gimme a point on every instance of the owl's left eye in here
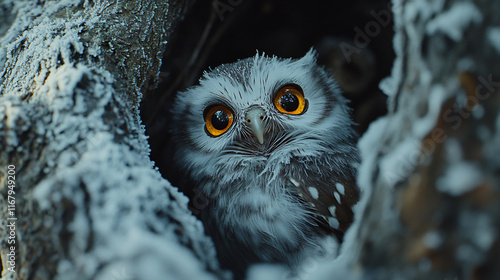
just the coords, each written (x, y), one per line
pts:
(218, 119)
(290, 100)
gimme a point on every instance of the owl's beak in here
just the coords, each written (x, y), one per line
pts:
(255, 121)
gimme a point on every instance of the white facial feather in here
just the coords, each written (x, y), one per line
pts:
(308, 130)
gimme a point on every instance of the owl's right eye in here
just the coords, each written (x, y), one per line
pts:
(290, 100)
(218, 119)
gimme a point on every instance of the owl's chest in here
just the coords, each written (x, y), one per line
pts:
(266, 206)
(263, 214)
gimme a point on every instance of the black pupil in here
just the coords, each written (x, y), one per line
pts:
(289, 102)
(220, 120)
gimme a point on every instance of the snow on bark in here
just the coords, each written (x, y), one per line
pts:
(494, 37)
(455, 20)
(431, 206)
(89, 203)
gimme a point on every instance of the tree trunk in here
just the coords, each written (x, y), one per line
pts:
(80, 197)
(431, 168)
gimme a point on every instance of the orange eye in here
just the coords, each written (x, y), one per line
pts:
(218, 119)
(290, 100)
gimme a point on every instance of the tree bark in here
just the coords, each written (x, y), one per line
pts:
(80, 197)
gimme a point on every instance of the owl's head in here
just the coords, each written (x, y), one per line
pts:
(256, 114)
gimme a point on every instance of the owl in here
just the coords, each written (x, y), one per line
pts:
(270, 142)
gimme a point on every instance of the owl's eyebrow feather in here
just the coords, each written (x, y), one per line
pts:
(237, 72)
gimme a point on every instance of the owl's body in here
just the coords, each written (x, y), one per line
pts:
(270, 142)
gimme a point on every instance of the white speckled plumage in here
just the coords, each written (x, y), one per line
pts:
(269, 202)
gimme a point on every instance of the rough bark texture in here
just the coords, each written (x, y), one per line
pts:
(442, 197)
(88, 202)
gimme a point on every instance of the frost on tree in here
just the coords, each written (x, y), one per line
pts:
(90, 205)
(88, 202)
